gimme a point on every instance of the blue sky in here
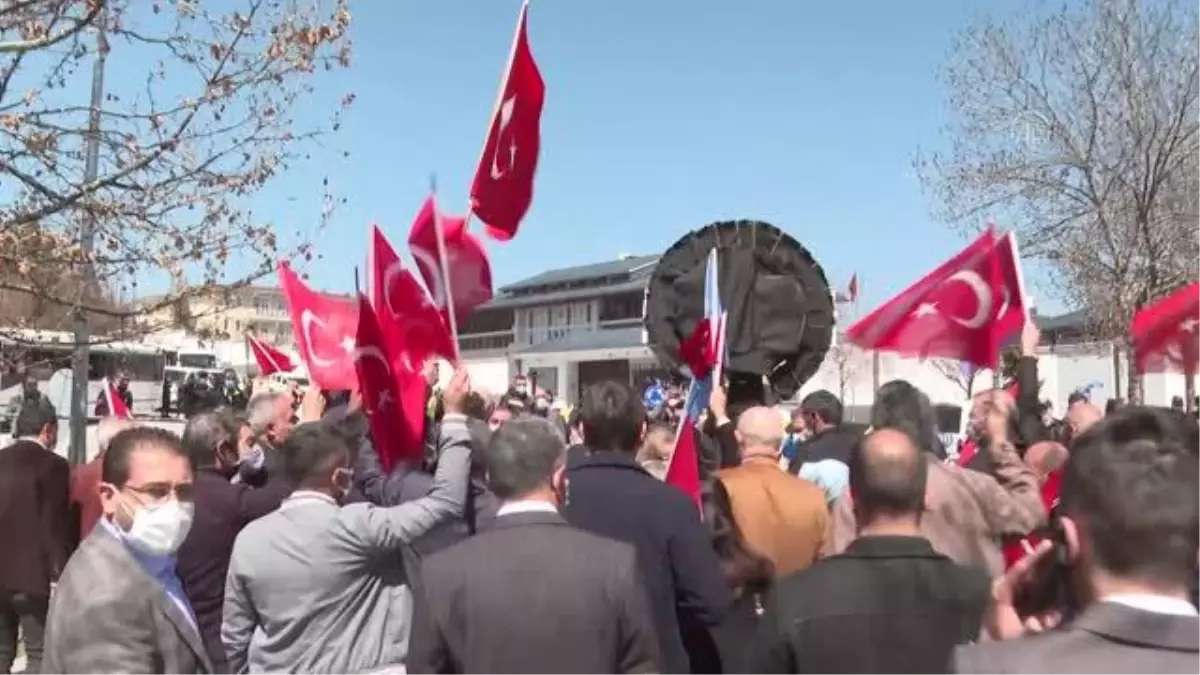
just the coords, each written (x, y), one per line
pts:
(661, 116)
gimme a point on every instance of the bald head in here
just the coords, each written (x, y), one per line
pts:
(1081, 416)
(1046, 457)
(759, 432)
(887, 475)
(108, 427)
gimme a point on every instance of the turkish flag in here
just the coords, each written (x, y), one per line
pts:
(470, 270)
(269, 358)
(116, 404)
(963, 310)
(1164, 334)
(397, 425)
(325, 329)
(503, 185)
(413, 326)
(683, 469)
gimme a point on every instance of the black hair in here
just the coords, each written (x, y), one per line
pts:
(824, 405)
(1113, 405)
(475, 406)
(1132, 484)
(114, 467)
(1076, 397)
(311, 451)
(901, 406)
(888, 478)
(522, 455)
(34, 415)
(612, 416)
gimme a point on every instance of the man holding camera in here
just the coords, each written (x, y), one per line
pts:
(1113, 579)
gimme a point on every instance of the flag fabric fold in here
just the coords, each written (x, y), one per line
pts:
(469, 270)
(704, 352)
(962, 310)
(1165, 333)
(270, 359)
(116, 404)
(397, 421)
(411, 323)
(325, 328)
(503, 187)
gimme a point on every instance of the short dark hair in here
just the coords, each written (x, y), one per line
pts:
(1132, 483)
(114, 467)
(33, 416)
(888, 476)
(612, 416)
(475, 406)
(1076, 397)
(207, 431)
(1113, 405)
(824, 405)
(901, 406)
(522, 455)
(311, 450)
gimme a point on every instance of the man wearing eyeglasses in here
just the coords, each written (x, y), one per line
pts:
(119, 605)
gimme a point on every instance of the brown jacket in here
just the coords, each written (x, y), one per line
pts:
(782, 517)
(967, 512)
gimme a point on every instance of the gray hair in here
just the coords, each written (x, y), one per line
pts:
(108, 427)
(522, 455)
(261, 411)
(207, 431)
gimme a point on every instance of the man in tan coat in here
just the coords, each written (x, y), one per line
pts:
(782, 517)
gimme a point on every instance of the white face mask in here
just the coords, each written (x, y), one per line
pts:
(159, 530)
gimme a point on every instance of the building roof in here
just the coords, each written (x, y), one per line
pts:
(621, 267)
(1076, 320)
(510, 301)
(613, 338)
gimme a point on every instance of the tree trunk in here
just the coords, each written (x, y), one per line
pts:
(1134, 377)
(1116, 359)
(1189, 392)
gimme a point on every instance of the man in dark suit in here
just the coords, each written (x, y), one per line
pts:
(889, 603)
(1128, 534)
(831, 439)
(611, 495)
(119, 606)
(214, 441)
(580, 599)
(35, 529)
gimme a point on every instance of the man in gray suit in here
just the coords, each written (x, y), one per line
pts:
(317, 587)
(119, 606)
(532, 594)
(1130, 522)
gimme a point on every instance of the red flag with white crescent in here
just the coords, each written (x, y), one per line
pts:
(962, 310)
(396, 416)
(325, 328)
(503, 185)
(411, 323)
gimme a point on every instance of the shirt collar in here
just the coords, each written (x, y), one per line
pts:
(32, 439)
(525, 506)
(1159, 604)
(156, 566)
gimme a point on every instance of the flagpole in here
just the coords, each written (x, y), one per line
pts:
(444, 263)
(512, 55)
(1016, 251)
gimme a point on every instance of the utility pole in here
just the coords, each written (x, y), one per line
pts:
(87, 234)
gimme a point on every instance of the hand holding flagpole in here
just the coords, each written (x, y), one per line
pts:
(448, 294)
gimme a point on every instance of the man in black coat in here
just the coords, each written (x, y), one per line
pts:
(35, 528)
(212, 440)
(889, 603)
(610, 494)
(579, 598)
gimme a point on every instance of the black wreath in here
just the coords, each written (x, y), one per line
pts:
(780, 311)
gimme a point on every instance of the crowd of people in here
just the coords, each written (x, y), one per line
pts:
(529, 538)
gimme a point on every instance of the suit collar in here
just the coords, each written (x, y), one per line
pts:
(609, 459)
(108, 544)
(526, 518)
(891, 546)
(1121, 623)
